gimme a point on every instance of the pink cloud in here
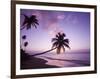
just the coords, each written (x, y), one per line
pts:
(61, 17)
(49, 22)
(71, 19)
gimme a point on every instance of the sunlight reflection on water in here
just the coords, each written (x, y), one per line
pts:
(67, 59)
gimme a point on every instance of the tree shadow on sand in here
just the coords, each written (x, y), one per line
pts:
(80, 62)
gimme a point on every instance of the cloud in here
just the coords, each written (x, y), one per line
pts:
(61, 17)
(72, 19)
(54, 28)
(38, 14)
(50, 22)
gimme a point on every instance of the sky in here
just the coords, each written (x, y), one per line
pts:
(76, 26)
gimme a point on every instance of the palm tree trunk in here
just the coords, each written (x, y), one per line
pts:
(44, 52)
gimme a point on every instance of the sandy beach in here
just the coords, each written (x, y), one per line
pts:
(35, 63)
(48, 60)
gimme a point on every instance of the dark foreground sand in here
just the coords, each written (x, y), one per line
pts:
(35, 63)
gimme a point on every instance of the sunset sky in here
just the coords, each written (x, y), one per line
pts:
(76, 26)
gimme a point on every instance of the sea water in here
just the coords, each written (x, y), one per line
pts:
(67, 59)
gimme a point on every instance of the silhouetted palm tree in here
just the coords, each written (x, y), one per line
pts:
(24, 37)
(24, 55)
(29, 22)
(25, 44)
(59, 42)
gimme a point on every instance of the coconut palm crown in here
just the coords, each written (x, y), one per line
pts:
(59, 42)
(29, 21)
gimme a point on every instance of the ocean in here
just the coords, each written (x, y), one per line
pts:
(67, 59)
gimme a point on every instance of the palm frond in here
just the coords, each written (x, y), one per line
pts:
(54, 39)
(25, 20)
(35, 22)
(66, 45)
(34, 25)
(57, 36)
(63, 34)
(30, 21)
(28, 26)
(66, 40)
(55, 44)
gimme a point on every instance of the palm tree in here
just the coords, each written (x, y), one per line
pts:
(25, 43)
(29, 22)
(59, 42)
(24, 37)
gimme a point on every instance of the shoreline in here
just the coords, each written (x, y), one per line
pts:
(35, 63)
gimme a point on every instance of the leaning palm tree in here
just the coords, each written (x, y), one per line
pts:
(29, 22)
(59, 42)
